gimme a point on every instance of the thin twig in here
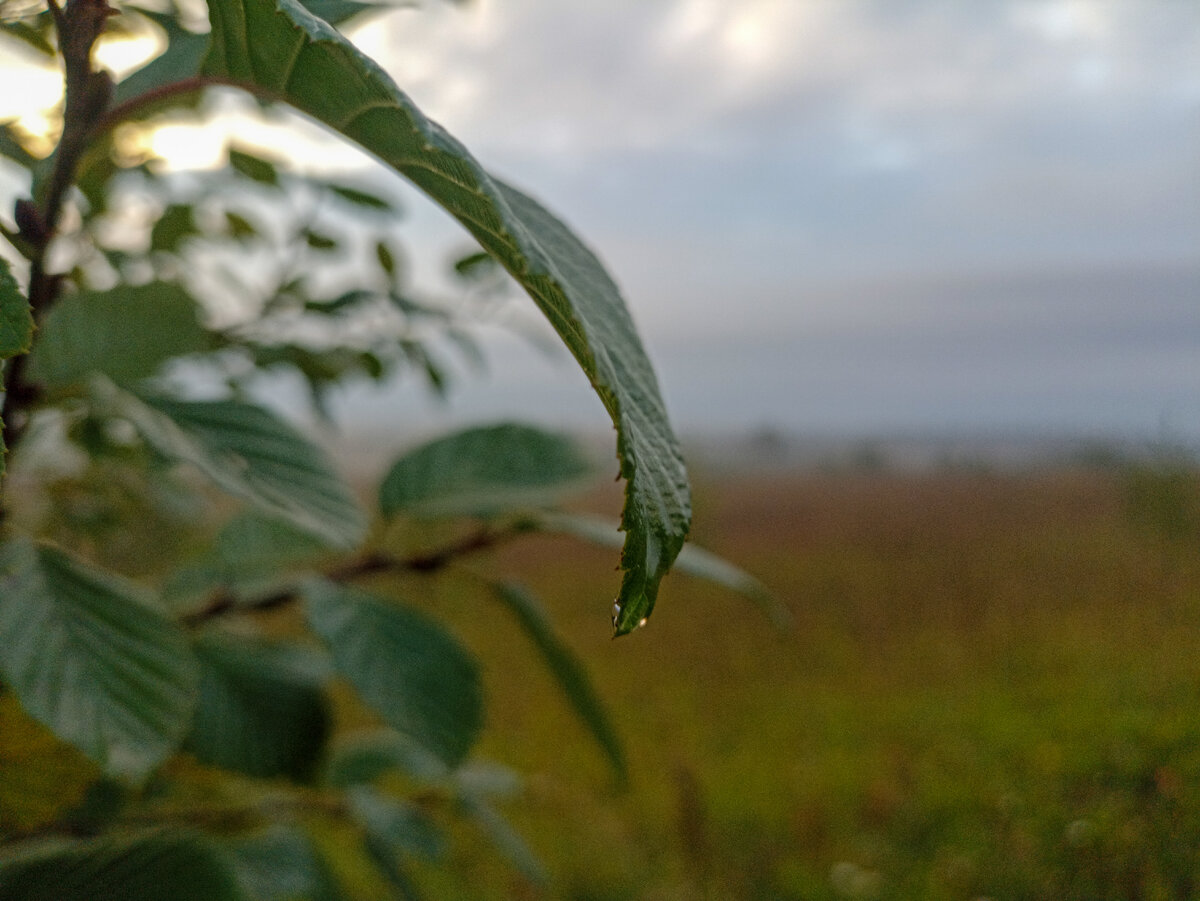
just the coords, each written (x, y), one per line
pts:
(226, 602)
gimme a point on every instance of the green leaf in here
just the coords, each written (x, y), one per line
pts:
(568, 670)
(363, 757)
(239, 226)
(126, 333)
(253, 167)
(156, 867)
(261, 709)
(318, 241)
(387, 260)
(343, 301)
(395, 828)
(12, 148)
(475, 266)
(362, 198)
(252, 454)
(252, 37)
(176, 223)
(693, 560)
(338, 12)
(92, 658)
(413, 672)
(504, 838)
(16, 317)
(251, 555)
(185, 51)
(180, 59)
(484, 471)
(28, 35)
(280, 864)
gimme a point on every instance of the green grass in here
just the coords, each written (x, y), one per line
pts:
(991, 691)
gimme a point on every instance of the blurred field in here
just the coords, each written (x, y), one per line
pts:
(991, 691)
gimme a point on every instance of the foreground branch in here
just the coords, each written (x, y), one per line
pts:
(88, 93)
(375, 562)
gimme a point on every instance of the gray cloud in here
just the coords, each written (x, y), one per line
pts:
(924, 209)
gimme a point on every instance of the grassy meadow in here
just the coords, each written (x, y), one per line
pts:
(992, 690)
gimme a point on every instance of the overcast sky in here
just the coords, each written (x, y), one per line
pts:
(831, 215)
(855, 216)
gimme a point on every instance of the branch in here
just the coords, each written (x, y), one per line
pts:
(88, 92)
(225, 601)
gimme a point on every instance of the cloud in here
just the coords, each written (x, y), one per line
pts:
(859, 210)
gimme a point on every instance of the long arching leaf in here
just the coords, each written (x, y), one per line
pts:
(279, 50)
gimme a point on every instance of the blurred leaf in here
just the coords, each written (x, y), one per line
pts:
(104, 801)
(12, 148)
(249, 556)
(395, 827)
(16, 317)
(280, 864)
(250, 37)
(28, 35)
(261, 708)
(363, 757)
(252, 546)
(92, 658)
(361, 198)
(156, 867)
(568, 671)
(340, 846)
(435, 375)
(483, 471)
(319, 367)
(392, 831)
(342, 302)
(239, 226)
(387, 262)
(253, 167)
(486, 779)
(413, 672)
(318, 241)
(339, 12)
(250, 453)
(126, 333)
(42, 776)
(176, 223)
(372, 365)
(411, 307)
(476, 266)
(693, 560)
(504, 838)
(93, 177)
(180, 59)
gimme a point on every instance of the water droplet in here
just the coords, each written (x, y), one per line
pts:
(641, 622)
(616, 613)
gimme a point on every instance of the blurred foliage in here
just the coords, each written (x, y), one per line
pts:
(222, 678)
